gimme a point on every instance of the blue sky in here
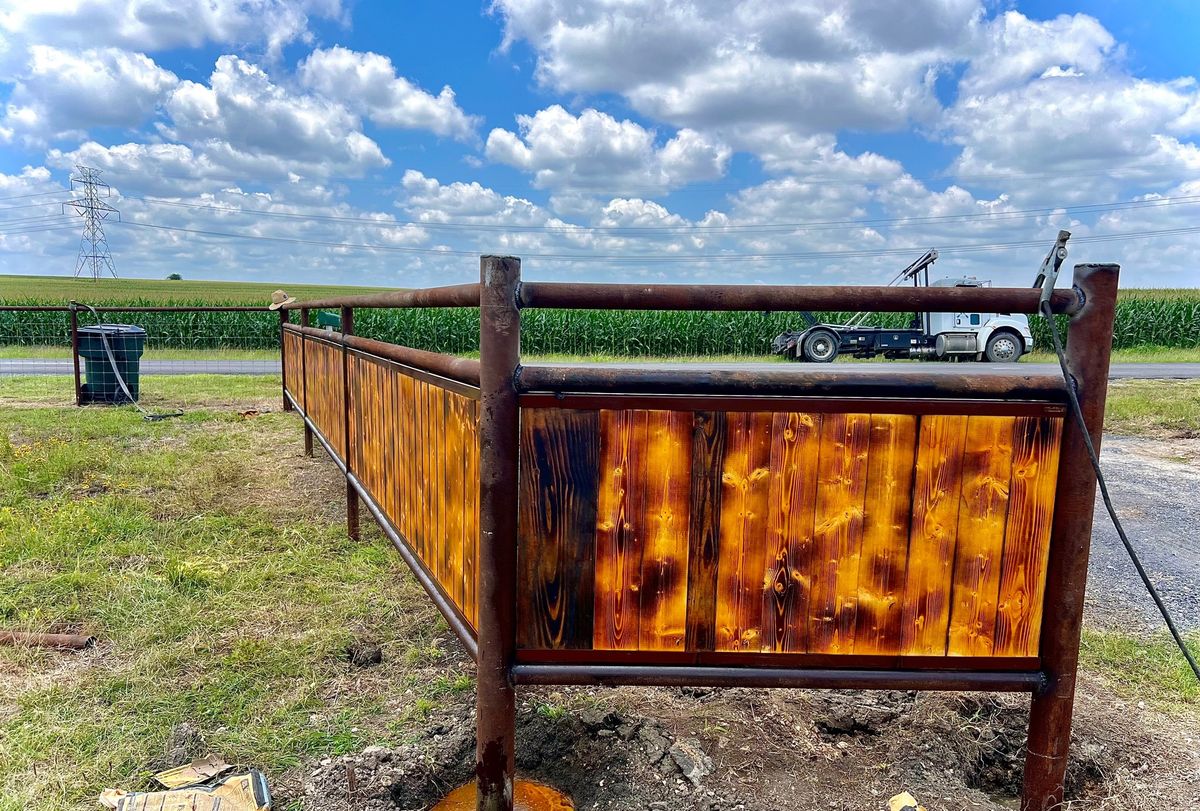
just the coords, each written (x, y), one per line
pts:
(391, 143)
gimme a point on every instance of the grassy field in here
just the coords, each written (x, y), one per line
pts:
(209, 556)
(224, 593)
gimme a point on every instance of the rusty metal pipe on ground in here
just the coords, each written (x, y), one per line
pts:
(64, 641)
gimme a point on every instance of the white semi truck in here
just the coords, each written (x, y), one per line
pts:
(995, 337)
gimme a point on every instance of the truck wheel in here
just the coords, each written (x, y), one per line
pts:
(1003, 347)
(821, 346)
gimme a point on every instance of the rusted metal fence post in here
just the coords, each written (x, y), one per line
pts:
(75, 352)
(308, 436)
(352, 524)
(284, 318)
(1089, 346)
(499, 357)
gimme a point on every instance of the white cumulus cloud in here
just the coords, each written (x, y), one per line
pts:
(368, 83)
(595, 150)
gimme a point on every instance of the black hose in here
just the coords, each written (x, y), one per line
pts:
(112, 360)
(1073, 396)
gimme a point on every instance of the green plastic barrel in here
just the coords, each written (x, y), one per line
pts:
(127, 343)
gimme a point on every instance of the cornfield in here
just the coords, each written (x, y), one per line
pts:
(1145, 318)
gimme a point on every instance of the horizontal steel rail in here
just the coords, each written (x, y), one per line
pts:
(455, 295)
(463, 370)
(847, 380)
(822, 679)
(780, 298)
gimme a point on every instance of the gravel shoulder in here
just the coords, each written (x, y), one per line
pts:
(1155, 486)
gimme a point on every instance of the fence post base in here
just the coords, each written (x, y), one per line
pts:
(308, 441)
(527, 796)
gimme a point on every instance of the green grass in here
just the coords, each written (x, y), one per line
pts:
(223, 592)
(1160, 407)
(1149, 669)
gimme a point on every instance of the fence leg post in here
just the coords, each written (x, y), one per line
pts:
(308, 435)
(284, 318)
(75, 352)
(352, 525)
(499, 356)
(1088, 350)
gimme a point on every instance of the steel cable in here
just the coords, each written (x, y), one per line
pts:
(1077, 411)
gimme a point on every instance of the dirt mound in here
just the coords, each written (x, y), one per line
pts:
(764, 750)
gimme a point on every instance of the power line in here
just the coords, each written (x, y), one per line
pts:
(35, 194)
(94, 254)
(671, 258)
(685, 230)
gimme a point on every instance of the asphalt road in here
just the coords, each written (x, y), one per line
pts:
(62, 366)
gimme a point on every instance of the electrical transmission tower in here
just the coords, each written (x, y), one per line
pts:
(94, 255)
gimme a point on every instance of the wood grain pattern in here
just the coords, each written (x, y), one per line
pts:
(618, 542)
(931, 547)
(887, 513)
(293, 361)
(323, 386)
(791, 505)
(708, 454)
(837, 534)
(664, 482)
(741, 567)
(471, 538)
(1036, 445)
(982, 515)
(558, 486)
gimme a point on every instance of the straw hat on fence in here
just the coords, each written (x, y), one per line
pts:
(278, 299)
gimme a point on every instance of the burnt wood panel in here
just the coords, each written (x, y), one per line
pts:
(837, 534)
(415, 450)
(665, 482)
(889, 536)
(936, 490)
(887, 513)
(982, 514)
(708, 453)
(1036, 445)
(556, 557)
(791, 510)
(741, 548)
(618, 548)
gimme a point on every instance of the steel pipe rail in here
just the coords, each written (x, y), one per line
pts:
(783, 298)
(455, 295)
(846, 381)
(464, 370)
(814, 678)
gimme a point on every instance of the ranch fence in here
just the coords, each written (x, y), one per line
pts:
(44, 340)
(848, 526)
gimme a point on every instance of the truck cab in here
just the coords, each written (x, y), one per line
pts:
(996, 337)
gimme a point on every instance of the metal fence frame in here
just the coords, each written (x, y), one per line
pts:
(502, 385)
(72, 310)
